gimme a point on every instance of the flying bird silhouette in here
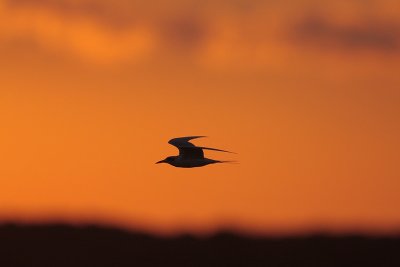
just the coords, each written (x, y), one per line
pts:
(190, 156)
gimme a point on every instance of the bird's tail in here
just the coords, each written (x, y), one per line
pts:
(228, 161)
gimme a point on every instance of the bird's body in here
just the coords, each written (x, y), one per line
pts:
(190, 156)
(176, 161)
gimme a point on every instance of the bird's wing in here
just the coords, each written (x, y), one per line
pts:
(183, 141)
(215, 149)
(188, 150)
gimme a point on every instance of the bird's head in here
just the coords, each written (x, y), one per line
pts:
(168, 160)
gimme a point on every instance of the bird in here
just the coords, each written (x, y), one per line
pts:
(190, 156)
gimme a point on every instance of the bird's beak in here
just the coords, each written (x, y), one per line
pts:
(161, 161)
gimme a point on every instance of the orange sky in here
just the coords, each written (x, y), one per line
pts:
(306, 94)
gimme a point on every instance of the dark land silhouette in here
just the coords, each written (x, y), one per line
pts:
(59, 245)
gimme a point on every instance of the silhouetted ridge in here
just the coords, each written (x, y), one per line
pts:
(58, 245)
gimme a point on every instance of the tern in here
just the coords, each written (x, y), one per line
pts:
(190, 156)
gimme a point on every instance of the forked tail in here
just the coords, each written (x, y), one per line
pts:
(228, 161)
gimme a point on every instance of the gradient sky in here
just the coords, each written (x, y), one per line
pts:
(307, 93)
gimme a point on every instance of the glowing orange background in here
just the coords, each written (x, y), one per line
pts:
(307, 93)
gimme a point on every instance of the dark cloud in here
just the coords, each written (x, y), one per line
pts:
(367, 34)
(185, 32)
(85, 7)
(116, 16)
(180, 28)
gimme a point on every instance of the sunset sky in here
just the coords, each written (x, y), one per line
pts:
(307, 92)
